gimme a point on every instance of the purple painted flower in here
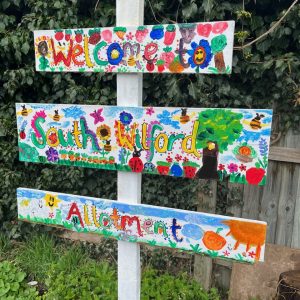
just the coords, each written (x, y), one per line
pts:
(52, 155)
(125, 118)
(232, 167)
(263, 147)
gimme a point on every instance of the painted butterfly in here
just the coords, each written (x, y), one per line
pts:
(97, 116)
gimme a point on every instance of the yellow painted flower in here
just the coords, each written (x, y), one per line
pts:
(25, 202)
(51, 200)
(104, 132)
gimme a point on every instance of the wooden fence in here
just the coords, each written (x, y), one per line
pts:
(277, 203)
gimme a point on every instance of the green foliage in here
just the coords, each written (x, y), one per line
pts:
(37, 255)
(89, 280)
(13, 285)
(214, 123)
(168, 287)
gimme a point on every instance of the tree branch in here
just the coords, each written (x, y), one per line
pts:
(268, 31)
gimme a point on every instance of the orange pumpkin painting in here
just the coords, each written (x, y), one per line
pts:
(249, 234)
(213, 241)
(244, 150)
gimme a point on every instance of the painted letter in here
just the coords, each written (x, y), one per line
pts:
(193, 139)
(130, 220)
(58, 57)
(74, 210)
(37, 142)
(174, 227)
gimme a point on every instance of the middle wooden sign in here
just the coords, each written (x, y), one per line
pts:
(203, 143)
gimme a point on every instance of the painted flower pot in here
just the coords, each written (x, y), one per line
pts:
(163, 167)
(176, 170)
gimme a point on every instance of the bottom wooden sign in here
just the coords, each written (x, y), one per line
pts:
(213, 235)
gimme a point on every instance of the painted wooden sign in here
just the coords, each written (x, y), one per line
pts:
(188, 142)
(214, 235)
(173, 48)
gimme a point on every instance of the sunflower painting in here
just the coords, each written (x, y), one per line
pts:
(104, 132)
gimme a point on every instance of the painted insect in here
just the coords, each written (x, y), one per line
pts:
(24, 112)
(255, 122)
(22, 131)
(56, 116)
(107, 146)
(184, 118)
(135, 163)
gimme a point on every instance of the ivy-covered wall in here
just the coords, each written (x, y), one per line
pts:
(265, 75)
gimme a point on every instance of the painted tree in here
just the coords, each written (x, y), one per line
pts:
(218, 43)
(218, 128)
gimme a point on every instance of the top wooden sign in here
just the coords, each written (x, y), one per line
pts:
(174, 48)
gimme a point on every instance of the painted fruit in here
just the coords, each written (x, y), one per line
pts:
(78, 38)
(163, 170)
(94, 38)
(189, 172)
(176, 67)
(169, 37)
(176, 170)
(67, 37)
(213, 241)
(107, 35)
(255, 175)
(136, 164)
(59, 35)
(168, 57)
(204, 29)
(157, 33)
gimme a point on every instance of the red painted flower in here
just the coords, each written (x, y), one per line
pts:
(242, 167)
(149, 111)
(226, 253)
(221, 167)
(129, 36)
(185, 159)
(169, 159)
(232, 168)
(51, 215)
(251, 254)
(178, 157)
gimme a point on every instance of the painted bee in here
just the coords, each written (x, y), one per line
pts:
(107, 146)
(24, 112)
(184, 118)
(255, 122)
(56, 117)
(131, 61)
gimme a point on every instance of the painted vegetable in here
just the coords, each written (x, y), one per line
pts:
(160, 65)
(244, 153)
(120, 32)
(135, 163)
(170, 34)
(255, 175)
(157, 32)
(213, 241)
(175, 66)
(95, 36)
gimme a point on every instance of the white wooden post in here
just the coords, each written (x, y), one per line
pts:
(129, 93)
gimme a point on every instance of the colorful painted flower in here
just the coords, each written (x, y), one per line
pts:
(52, 155)
(114, 54)
(51, 215)
(149, 111)
(185, 159)
(109, 68)
(232, 167)
(178, 157)
(251, 254)
(169, 159)
(226, 253)
(104, 132)
(200, 55)
(129, 36)
(125, 118)
(242, 167)
(221, 167)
